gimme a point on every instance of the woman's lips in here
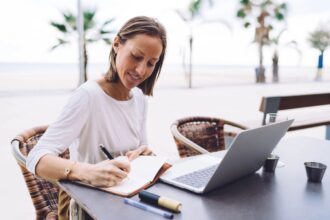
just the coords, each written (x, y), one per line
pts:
(134, 77)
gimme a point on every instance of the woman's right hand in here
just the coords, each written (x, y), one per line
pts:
(107, 173)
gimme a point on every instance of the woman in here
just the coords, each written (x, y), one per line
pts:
(110, 112)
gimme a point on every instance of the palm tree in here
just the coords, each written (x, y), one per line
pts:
(190, 16)
(320, 40)
(194, 9)
(92, 32)
(264, 12)
(275, 59)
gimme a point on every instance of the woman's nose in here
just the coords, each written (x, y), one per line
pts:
(141, 68)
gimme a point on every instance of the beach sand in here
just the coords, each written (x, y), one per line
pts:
(31, 99)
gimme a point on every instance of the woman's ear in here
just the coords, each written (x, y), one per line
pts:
(115, 44)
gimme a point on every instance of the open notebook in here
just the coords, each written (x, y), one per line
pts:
(145, 171)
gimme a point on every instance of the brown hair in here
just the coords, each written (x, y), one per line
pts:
(133, 27)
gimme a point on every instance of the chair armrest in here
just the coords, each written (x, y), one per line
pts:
(187, 142)
(20, 158)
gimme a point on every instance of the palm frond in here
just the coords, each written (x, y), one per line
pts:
(70, 19)
(59, 43)
(89, 21)
(279, 16)
(102, 32)
(294, 45)
(244, 2)
(283, 6)
(89, 14)
(182, 16)
(195, 7)
(107, 41)
(88, 25)
(107, 22)
(264, 4)
(276, 39)
(61, 27)
(241, 13)
(247, 24)
(93, 32)
(273, 41)
(92, 40)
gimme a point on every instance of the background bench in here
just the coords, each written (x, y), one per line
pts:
(275, 104)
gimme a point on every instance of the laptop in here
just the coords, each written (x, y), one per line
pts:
(246, 154)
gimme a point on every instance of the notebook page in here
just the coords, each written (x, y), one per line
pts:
(143, 171)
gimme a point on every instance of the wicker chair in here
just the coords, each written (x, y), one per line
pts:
(199, 135)
(44, 194)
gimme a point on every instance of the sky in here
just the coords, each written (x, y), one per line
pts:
(26, 35)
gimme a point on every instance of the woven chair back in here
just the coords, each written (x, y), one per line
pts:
(206, 132)
(44, 194)
(196, 135)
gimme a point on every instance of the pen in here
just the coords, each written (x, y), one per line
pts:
(106, 152)
(161, 201)
(148, 208)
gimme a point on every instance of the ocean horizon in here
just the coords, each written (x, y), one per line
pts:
(64, 76)
(39, 67)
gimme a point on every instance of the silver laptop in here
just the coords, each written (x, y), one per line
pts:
(245, 155)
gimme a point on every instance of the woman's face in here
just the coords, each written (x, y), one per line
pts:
(137, 58)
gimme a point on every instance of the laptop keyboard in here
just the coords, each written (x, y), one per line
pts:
(197, 178)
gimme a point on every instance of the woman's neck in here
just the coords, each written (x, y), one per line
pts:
(115, 89)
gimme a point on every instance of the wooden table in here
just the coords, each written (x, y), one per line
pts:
(286, 194)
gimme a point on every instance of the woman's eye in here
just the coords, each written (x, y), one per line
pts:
(151, 64)
(140, 58)
(136, 57)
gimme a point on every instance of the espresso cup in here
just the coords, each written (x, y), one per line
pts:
(315, 171)
(270, 163)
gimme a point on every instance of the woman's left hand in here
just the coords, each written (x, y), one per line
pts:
(142, 150)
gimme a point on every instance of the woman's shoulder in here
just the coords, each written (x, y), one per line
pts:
(85, 92)
(138, 94)
(90, 87)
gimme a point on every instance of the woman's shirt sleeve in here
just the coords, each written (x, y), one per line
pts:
(63, 131)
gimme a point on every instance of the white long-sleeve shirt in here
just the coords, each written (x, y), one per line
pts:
(90, 118)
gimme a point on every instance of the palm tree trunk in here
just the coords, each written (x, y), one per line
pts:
(275, 67)
(85, 63)
(81, 42)
(260, 71)
(190, 61)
